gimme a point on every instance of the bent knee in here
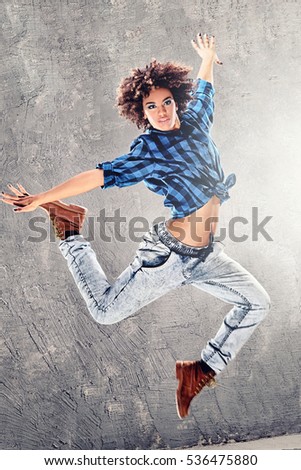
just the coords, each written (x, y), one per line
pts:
(266, 304)
(103, 316)
(263, 302)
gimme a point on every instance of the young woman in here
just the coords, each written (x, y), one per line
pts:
(177, 158)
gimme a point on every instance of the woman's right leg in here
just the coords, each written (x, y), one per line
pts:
(154, 271)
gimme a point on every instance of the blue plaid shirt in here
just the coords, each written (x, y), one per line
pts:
(183, 165)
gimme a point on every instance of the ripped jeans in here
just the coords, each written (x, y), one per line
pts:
(163, 263)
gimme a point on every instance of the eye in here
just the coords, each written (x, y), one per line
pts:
(151, 106)
(168, 102)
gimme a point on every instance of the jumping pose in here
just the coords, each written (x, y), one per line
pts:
(176, 157)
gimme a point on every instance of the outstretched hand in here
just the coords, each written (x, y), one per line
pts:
(22, 199)
(205, 47)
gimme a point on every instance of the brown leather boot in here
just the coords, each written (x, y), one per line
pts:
(65, 217)
(191, 381)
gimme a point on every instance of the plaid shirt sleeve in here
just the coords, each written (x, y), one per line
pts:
(128, 169)
(200, 109)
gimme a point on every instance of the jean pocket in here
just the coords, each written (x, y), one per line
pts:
(153, 255)
(218, 248)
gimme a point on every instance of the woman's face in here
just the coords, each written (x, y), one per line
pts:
(160, 109)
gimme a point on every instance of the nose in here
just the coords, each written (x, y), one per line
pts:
(162, 110)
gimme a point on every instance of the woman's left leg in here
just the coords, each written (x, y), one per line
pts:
(227, 280)
(154, 271)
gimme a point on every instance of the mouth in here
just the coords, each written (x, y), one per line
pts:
(162, 121)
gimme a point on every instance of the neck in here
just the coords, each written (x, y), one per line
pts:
(178, 123)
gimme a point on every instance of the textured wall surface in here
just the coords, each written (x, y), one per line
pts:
(67, 382)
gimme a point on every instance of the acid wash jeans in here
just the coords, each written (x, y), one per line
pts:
(163, 263)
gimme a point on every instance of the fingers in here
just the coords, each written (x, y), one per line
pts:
(7, 201)
(11, 197)
(28, 208)
(22, 209)
(14, 190)
(22, 189)
(204, 45)
(19, 192)
(12, 202)
(20, 198)
(20, 201)
(194, 44)
(204, 41)
(200, 41)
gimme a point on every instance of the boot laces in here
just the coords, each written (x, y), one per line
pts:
(57, 230)
(209, 381)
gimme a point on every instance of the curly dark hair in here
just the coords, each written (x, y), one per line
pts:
(133, 89)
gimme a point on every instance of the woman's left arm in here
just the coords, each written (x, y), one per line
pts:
(205, 48)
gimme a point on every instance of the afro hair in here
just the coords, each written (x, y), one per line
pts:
(133, 89)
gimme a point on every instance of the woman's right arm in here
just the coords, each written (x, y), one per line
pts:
(78, 184)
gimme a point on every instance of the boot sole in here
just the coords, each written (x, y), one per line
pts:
(179, 376)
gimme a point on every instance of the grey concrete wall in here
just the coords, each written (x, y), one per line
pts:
(68, 383)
